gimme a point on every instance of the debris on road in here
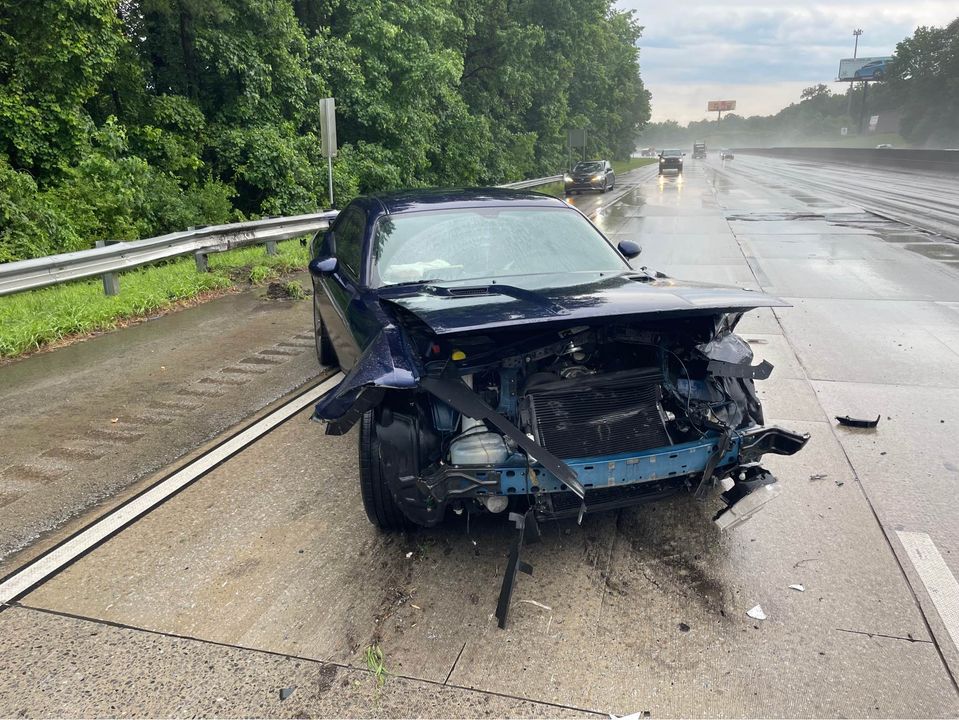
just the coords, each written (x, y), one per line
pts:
(798, 587)
(756, 613)
(818, 476)
(857, 422)
(285, 693)
(683, 627)
(409, 554)
(537, 604)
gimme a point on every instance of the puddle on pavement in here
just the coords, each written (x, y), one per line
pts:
(935, 251)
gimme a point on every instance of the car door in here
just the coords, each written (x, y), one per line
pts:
(341, 287)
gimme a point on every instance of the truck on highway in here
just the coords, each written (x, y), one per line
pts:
(699, 150)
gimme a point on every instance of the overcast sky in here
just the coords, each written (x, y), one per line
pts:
(762, 54)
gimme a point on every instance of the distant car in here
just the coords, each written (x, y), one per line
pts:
(590, 175)
(874, 70)
(725, 154)
(671, 160)
(884, 146)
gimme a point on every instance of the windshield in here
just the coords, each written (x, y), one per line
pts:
(672, 153)
(588, 167)
(473, 243)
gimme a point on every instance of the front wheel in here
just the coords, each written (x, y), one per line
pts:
(378, 501)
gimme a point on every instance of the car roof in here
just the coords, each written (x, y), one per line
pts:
(404, 201)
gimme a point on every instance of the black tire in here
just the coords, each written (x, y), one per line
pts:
(605, 187)
(325, 354)
(378, 501)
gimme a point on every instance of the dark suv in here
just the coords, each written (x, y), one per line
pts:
(590, 175)
(671, 160)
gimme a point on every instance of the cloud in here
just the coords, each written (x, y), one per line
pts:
(765, 51)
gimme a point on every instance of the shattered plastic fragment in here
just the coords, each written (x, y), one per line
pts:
(286, 692)
(537, 604)
(798, 587)
(857, 422)
(756, 613)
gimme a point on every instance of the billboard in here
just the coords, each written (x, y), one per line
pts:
(720, 105)
(864, 68)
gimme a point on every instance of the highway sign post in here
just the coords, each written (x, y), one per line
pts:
(577, 139)
(328, 136)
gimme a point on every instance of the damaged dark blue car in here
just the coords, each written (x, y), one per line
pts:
(499, 353)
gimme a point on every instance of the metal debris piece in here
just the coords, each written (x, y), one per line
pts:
(527, 530)
(285, 693)
(857, 422)
(756, 613)
(798, 587)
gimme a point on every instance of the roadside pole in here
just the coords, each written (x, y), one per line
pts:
(328, 137)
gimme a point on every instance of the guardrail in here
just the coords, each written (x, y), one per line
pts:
(946, 161)
(109, 259)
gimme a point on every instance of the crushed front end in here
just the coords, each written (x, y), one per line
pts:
(566, 420)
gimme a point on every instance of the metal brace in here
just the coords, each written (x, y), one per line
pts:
(526, 525)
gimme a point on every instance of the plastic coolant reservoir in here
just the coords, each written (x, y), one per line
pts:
(479, 448)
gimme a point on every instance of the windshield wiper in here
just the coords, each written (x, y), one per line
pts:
(408, 283)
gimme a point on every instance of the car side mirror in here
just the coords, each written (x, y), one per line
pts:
(629, 249)
(323, 266)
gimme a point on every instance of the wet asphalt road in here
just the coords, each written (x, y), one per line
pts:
(265, 574)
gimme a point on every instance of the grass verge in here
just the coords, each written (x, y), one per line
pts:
(31, 320)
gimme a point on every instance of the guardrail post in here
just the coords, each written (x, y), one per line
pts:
(202, 261)
(111, 281)
(271, 247)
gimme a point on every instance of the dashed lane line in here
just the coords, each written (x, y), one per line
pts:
(938, 580)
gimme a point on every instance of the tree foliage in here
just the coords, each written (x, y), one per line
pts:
(925, 76)
(126, 118)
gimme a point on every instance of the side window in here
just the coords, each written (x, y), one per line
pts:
(348, 238)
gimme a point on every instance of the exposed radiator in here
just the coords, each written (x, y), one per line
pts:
(599, 414)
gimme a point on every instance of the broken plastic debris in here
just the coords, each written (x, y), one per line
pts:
(115, 420)
(286, 692)
(537, 604)
(409, 554)
(756, 613)
(798, 587)
(857, 422)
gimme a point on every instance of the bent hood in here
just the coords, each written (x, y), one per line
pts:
(470, 306)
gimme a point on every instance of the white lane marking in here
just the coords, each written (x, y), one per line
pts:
(935, 575)
(46, 565)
